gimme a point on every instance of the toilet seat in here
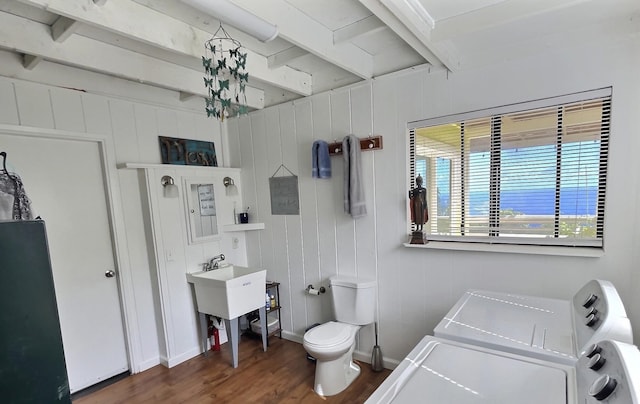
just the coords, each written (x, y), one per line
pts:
(329, 335)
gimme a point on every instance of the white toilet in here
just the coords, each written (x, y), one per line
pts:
(332, 343)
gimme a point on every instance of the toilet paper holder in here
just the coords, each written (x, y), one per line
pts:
(313, 291)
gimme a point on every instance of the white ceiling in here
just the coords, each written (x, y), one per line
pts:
(322, 44)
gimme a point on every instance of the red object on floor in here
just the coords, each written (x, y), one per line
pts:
(216, 340)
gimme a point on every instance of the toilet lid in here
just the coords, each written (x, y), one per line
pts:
(328, 334)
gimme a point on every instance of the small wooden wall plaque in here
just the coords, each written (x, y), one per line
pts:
(366, 144)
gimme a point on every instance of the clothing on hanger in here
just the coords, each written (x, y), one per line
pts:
(14, 202)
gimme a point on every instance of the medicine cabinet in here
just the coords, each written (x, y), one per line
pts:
(202, 216)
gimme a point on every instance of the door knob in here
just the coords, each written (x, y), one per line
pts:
(109, 274)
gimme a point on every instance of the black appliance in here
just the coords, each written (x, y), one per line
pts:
(32, 363)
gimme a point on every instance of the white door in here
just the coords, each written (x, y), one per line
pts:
(64, 180)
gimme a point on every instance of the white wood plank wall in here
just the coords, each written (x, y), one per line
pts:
(131, 119)
(416, 287)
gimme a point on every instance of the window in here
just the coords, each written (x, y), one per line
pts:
(530, 173)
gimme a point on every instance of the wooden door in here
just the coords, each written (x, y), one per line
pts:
(64, 180)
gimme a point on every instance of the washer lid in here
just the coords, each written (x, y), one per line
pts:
(528, 325)
(328, 334)
(440, 371)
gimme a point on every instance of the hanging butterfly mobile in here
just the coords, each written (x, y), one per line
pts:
(225, 76)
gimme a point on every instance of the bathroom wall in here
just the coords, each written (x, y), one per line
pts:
(173, 254)
(417, 286)
(130, 119)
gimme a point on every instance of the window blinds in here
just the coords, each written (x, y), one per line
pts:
(528, 173)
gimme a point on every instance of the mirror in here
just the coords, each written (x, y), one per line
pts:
(202, 217)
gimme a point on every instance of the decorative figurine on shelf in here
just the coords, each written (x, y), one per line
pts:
(419, 211)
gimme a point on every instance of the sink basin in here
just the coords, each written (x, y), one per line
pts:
(229, 292)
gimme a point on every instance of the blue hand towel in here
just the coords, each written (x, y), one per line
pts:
(320, 160)
(354, 200)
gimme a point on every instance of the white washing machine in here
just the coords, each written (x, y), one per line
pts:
(549, 329)
(443, 371)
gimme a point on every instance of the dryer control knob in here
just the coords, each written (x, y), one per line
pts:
(596, 362)
(590, 301)
(591, 320)
(592, 350)
(591, 311)
(602, 387)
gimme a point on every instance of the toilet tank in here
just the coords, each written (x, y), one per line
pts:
(353, 299)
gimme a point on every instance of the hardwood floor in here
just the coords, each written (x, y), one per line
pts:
(280, 375)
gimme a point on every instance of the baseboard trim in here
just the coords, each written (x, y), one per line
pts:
(291, 337)
(148, 364)
(358, 355)
(366, 358)
(176, 360)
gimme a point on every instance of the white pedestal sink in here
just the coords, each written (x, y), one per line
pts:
(230, 292)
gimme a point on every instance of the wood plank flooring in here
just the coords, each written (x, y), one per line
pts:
(280, 375)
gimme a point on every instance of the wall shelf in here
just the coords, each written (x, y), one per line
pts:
(181, 168)
(273, 306)
(243, 227)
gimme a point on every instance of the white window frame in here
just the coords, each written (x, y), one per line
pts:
(528, 244)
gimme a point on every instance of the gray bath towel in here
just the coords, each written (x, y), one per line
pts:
(354, 200)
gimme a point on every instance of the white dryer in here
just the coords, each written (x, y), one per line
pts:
(443, 371)
(549, 329)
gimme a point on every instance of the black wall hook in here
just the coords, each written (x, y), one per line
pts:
(4, 162)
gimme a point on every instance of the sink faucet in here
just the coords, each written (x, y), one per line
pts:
(213, 263)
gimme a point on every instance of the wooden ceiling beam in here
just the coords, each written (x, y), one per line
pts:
(402, 31)
(285, 56)
(132, 20)
(35, 39)
(31, 61)
(301, 30)
(366, 26)
(63, 28)
(183, 96)
(421, 30)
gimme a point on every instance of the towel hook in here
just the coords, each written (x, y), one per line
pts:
(4, 162)
(337, 148)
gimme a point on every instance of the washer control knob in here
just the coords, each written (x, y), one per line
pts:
(596, 362)
(592, 310)
(590, 301)
(602, 387)
(591, 320)
(592, 350)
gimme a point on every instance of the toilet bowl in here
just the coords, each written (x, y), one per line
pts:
(332, 345)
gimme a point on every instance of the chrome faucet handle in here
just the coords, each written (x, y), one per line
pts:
(213, 263)
(219, 257)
